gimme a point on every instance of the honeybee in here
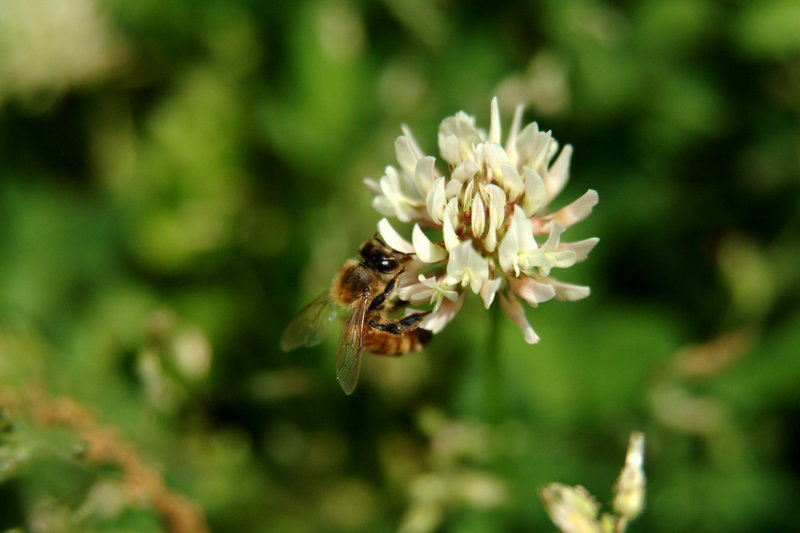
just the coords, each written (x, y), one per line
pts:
(363, 286)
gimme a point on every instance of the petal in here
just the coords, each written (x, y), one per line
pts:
(414, 145)
(462, 126)
(535, 192)
(577, 210)
(489, 289)
(513, 310)
(532, 146)
(497, 204)
(494, 122)
(466, 201)
(465, 170)
(495, 156)
(511, 142)
(467, 267)
(553, 239)
(393, 239)
(407, 154)
(437, 320)
(478, 214)
(567, 291)
(451, 240)
(558, 173)
(453, 189)
(581, 248)
(416, 293)
(451, 212)
(513, 182)
(509, 248)
(427, 251)
(479, 269)
(490, 239)
(423, 175)
(373, 186)
(448, 148)
(561, 259)
(382, 205)
(436, 200)
(532, 291)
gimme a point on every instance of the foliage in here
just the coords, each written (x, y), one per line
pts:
(177, 179)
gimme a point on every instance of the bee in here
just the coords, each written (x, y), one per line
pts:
(363, 286)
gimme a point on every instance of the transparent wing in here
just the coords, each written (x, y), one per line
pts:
(309, 327)
(348, 358)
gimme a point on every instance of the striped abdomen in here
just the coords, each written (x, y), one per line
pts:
(384, 343)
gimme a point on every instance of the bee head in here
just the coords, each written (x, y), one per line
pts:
(377, 255)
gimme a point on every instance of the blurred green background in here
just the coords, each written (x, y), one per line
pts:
(177, 179)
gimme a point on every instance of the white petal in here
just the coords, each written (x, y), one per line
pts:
(581, 248)
(558, 173)
(407, 154)
(465, 170)
(513, 310)
(414, 145)
(448, 148)
(467, 267)
(453, 189)
(513, 182)
(424, 174)
(519, 250)
(437, 320)
(535, 192)
(382, 205)
(393, 239)
(577, 210)
(451, 212)
(462, 126)
(531, 290)
(495, 156)
(528, 143)
(559, 259)
(440, 286)
(509, 248)
(497, 204)
(466, 200)
(567, 291)
(416, 293)
(554, 238)
(427, 251)
(373, 186)
(436, 200)
(511, 142)
(401, 193)
(490, 239)
(494, 122)
(478, 216)
(479, 269)
(451, 240)
(489, 289)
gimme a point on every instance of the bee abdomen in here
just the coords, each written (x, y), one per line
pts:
(383, 343)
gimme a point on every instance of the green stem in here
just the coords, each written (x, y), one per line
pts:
(494, 373)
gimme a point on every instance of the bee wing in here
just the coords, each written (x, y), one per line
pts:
(310, 325)
(348, 358)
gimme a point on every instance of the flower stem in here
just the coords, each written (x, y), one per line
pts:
(494, 372)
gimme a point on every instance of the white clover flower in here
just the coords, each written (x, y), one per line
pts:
(491, 208)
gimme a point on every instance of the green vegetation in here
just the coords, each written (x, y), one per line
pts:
(177, 179)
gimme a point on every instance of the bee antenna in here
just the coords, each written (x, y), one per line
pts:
(377, 237)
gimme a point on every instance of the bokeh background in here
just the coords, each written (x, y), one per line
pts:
(177, 179)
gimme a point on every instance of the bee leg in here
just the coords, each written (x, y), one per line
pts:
(400, 326)
(377, 302)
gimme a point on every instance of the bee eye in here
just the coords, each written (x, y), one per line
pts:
(386, 265)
